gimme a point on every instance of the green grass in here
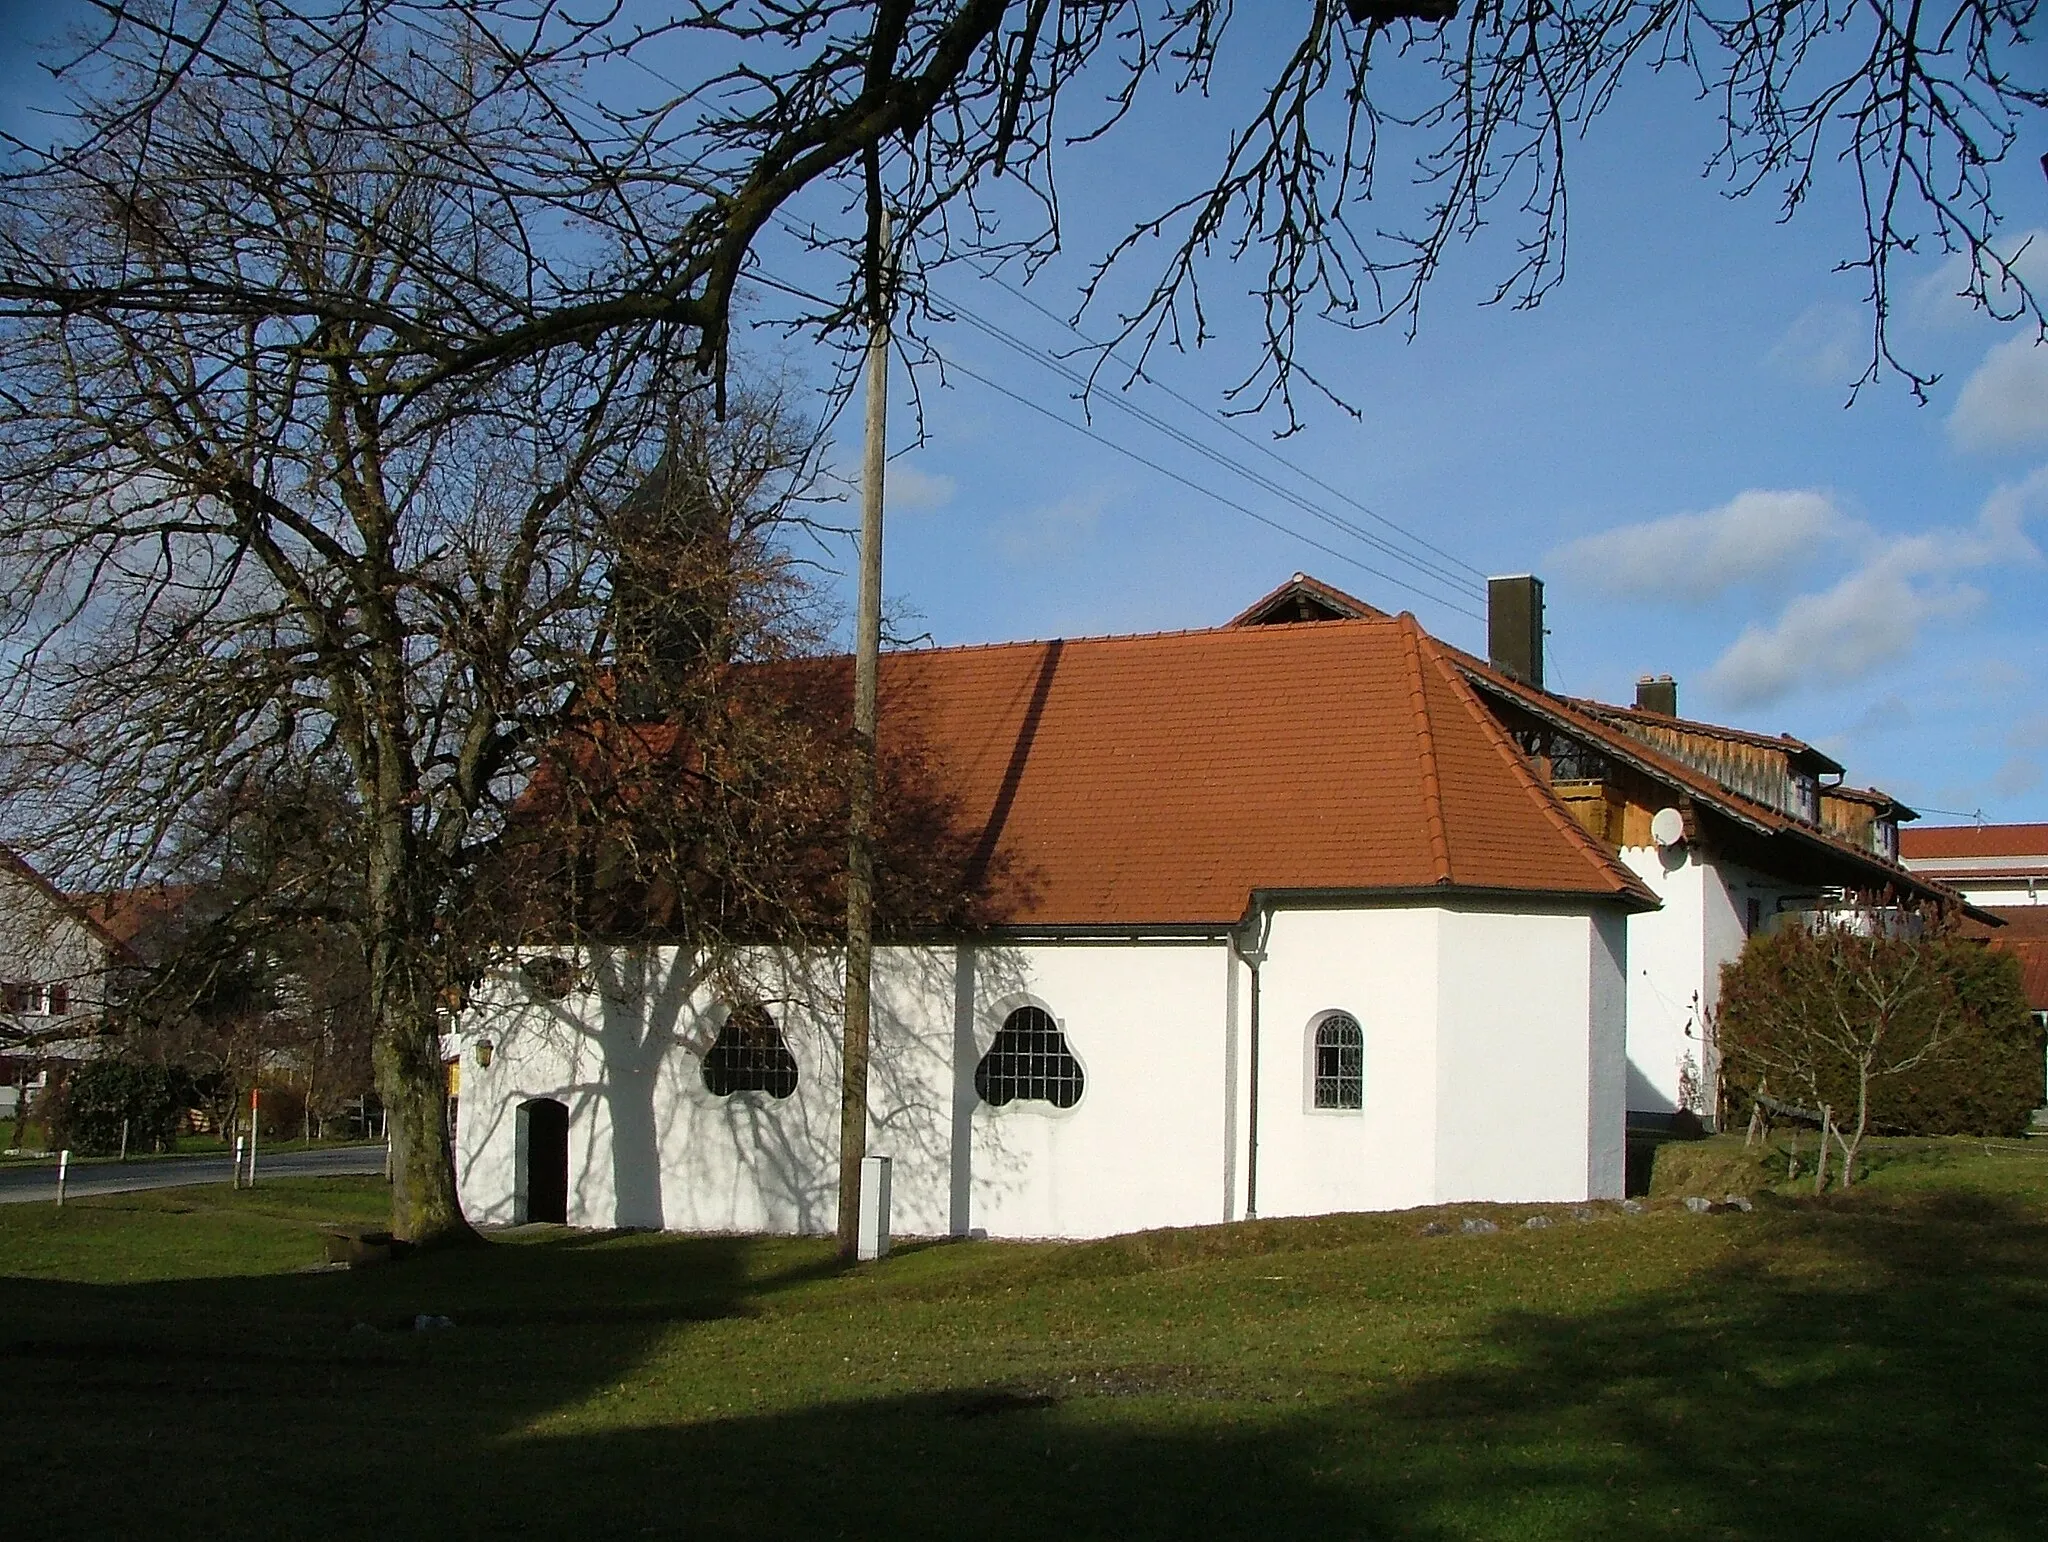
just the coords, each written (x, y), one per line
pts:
(1871, 1367)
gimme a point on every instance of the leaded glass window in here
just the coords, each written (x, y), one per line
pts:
(1340, 1062)
(749, 1055)
(1029, 1060)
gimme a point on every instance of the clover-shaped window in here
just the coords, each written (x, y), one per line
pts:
(1029, 1060)
(749, 1055)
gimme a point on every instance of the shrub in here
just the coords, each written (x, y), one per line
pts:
(99, 1095)
(1983, 1076)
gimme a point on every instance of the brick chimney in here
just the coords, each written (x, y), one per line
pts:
(1658, 694)
(1514, 627)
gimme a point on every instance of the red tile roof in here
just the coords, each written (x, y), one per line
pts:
(1160, 780)
(1974, 841)
(2033, 956)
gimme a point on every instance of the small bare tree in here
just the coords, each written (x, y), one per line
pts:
(1834, 1010)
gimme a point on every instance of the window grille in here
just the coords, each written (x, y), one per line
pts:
(1029, 1060)
(1340, 1062)
(749, 1055)
(549, 977)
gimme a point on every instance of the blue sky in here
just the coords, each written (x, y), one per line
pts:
(1665, 440)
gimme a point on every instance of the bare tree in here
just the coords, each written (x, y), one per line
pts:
(258, 533)
(335, 332)
(1385, 133)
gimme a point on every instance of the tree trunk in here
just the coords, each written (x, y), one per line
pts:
(1851, 1147)
(1820, 1171)
(414, 1087)
(406, 1051)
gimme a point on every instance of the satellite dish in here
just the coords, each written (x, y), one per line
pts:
(1667, 828)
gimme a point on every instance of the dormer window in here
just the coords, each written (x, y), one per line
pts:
(1806, 797)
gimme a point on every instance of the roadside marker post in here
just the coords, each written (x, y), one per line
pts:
(63, 1170)
(124, 1140)
(238, 1161)
(252, 1137)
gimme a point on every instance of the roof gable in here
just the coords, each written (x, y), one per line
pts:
(1303, 598)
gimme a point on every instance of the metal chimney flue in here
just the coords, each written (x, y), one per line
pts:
(1658, 694)
(1514, 627)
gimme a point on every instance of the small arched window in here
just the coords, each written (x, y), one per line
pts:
(1029, 1060)
(1339, 1062)
(749, 1055)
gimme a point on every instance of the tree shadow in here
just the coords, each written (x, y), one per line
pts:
(1868, 1368)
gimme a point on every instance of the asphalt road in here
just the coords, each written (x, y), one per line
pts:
(23, 1183)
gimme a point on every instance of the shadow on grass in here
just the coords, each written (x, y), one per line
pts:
(1856, 1369)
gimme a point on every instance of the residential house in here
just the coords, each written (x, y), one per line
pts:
(55, 963)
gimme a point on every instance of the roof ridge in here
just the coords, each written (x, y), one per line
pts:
(1425, 741)
(1224, 630)
(1593, 707)
(1544, 797)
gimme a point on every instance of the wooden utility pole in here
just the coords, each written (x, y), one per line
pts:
(860, 874)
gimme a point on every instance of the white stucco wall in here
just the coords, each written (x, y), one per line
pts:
(1674, 965)
(1492, 1070)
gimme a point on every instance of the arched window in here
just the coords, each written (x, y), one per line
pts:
(1029, 1059)
(749, 1055)
(1339, 1062)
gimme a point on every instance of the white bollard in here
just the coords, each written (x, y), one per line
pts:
(63, 1168)
(873, 1241)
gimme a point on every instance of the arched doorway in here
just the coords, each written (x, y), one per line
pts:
(543, 1191)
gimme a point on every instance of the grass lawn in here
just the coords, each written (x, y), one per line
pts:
(1870, 1367)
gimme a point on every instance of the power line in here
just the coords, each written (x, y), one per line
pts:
(989, 275)
(761, 276)
(1189, 442)
(1434, 571)
(1207, 492)
(1231, 428)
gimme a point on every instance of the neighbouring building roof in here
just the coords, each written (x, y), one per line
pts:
(1640, 723)
(80, 912)
(1801, 845)
(1994, 844)
(1161, 780)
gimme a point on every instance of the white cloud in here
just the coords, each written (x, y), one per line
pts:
(1053, 530)
(2004, 405)
(1826, 345)
(1759, 536)
(1874, 616)
(1939, 299)
(909, 490)
(2018, 775)
(1869, 619)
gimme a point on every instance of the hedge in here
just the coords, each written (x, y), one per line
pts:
(1986, 1078)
